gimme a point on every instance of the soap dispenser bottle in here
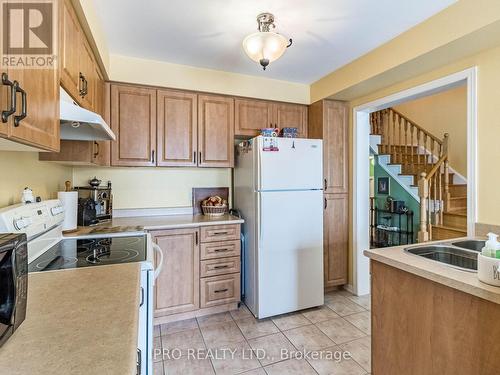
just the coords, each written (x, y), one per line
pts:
(492, 246)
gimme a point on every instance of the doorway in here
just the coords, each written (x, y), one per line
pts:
(361, 163)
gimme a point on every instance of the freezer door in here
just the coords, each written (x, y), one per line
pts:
(290, 252)
(297, 165)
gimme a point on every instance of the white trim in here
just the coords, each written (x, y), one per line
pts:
(162, 211)
(361, 176)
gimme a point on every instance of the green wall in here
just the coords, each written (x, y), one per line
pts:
(397, 192)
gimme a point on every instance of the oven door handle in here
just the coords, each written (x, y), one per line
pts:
(159, 266)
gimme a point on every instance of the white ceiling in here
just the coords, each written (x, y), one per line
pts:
(208, 33)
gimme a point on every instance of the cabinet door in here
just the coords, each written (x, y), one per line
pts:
(87, 71)
(133, 120)
(177, 288)
(215, 131)
(250, 116)
(69, 51)
(177, 128)
(291, 116)
(4, 105)
(102, 152)
(335, 147)
(335, 237)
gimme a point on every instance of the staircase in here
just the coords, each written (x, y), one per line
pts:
(421, 159)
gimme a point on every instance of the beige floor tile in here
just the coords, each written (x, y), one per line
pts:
(290, 367)
(236, 358)
(308, 338)
(364, 301)
(329, 364)
(241, 313)
(289, 321)
(344, 306)
(156, 331)
(205, 321)
(272, 346)
(340, 330)
(361, 321)
(182, 325)
(319, 314)
(158, 368)
(188, 365)
(220, 334)
(360, 351)
(253, 328)
(257, 371)
(190, 339)
(157, 350)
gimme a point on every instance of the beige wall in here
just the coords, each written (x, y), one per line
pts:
(444, 112)
(158, 73)
(22, 169)
(154, 187)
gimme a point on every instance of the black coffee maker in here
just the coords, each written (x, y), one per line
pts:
(87, 214)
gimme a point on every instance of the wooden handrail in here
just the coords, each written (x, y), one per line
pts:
(434, 169)
(429, 134)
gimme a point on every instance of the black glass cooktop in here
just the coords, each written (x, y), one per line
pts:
(73, 253)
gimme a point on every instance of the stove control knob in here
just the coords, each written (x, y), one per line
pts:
(22, 223)
(57, 210)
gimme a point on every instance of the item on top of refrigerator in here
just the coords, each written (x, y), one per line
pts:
(214, 206)
(289, 132)
(270, 132)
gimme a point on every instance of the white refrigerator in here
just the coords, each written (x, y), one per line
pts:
(279, 195)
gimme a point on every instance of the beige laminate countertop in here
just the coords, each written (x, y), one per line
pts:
(435, 271)
(80, 321)
(141, 223)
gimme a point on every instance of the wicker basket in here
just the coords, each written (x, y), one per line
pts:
(213, 210)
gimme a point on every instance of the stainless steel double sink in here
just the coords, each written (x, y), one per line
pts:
(459, 254)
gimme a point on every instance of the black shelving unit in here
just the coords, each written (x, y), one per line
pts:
(401, 232)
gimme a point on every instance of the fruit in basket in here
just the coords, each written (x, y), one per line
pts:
(214, 201)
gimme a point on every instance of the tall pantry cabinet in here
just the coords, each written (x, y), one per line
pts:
(328, 120)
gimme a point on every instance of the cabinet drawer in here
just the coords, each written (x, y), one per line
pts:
(220, 233)
(220, 249)
(220, 266)
(218, 290)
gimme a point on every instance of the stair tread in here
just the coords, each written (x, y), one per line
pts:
(459, 197)
(449, 228)
(456, 213)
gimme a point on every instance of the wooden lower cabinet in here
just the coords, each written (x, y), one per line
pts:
(335, 239)
(423, 327)
(196, 279)
(177, 286)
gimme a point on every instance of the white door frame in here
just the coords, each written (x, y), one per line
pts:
(361, 131)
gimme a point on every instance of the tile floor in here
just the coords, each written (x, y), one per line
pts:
(335, 335)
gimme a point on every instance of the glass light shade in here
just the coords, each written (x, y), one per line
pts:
(265, 45)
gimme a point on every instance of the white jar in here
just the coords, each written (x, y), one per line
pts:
(488, 270)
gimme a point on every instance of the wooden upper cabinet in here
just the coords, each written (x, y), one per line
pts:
(88, 74)
(69, 49)
(335, 147)
(215, 131)
(133, 120)
(177, 128)
(335, 239)
(250, 116)
(4, 105)
(291, 116)
(177, 288)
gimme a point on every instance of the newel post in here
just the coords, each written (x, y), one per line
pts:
(423, 193)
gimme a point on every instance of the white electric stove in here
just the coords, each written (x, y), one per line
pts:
(48, 250)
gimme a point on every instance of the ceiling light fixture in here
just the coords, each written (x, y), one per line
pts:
(265, 46)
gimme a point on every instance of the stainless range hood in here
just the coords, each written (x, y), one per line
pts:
(80, 124)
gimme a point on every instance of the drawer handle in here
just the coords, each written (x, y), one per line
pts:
(220, 267)
(220, 233)
(221, 290)
(221, 250)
